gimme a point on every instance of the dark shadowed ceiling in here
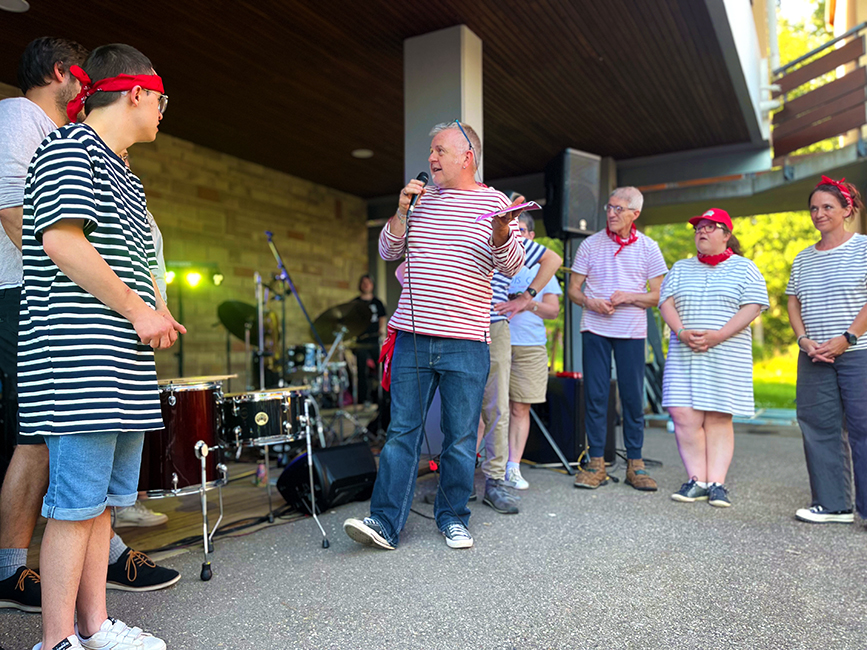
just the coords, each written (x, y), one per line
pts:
(298, 85)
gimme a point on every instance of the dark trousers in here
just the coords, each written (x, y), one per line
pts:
(826, 394)
(9, 305)
(629, 357)
(367, 352)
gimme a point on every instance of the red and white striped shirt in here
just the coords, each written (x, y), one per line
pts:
(451, 259)
(606, 273)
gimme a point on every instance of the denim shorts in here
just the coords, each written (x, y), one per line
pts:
(89, 472)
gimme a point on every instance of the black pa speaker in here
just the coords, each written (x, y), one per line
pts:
(563, 415)
(572, 182)
(340, 475)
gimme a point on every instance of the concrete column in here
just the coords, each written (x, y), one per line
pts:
(442, 81)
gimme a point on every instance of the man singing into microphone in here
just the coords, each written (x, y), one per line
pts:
(441, 325)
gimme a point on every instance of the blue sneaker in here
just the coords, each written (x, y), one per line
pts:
(718, 496)
(367, 532)
(690, 492)
(457, 535)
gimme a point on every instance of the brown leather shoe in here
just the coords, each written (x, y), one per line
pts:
(593, 475)
(637, 476)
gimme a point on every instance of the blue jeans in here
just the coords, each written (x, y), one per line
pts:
(629, 357)
(459, 368)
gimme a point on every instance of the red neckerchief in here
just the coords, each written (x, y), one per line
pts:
(839, 185)
(112, 84)
(713, 260)
(617, 239)
(385, 356)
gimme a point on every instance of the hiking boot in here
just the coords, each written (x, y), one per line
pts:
(593, 475)
(367, 532)
(497, 496)
(430, 497)
(818, 515)
(637, 476)
(117, 635)
(515, 480)
(690, 492)
(718, 496)
(135, 571)
(22, 591)
(457, 535)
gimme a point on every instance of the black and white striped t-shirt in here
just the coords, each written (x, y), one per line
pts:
(832, 288)
(500, 282)
(81, 367)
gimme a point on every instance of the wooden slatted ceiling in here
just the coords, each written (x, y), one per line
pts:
(297, 85)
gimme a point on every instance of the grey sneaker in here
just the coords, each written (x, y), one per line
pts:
(690, 492)
(457, 535)
(718, 496)
(498, 496)
(367, 532)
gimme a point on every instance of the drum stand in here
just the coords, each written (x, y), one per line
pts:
(341, 413)
(202, 451)
(307, 426)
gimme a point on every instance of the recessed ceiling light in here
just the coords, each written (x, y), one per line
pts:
(15, 6)
(356, 153)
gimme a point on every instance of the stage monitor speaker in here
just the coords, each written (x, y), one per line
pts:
(563, 415)
(572, 195)
(340, 475)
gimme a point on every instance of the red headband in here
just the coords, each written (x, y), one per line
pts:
(112, 84)
(840, 186)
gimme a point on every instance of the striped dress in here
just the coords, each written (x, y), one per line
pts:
(832, 288)
(451, 261)
(706, 297)
(81, 367)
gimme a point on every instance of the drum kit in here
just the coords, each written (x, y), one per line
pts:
(200, 419)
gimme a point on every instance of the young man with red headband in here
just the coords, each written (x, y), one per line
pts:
(91, 317)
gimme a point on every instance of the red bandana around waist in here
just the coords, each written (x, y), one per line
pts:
(385, 356)
(113, 84)
(617, 239)
(713, 260)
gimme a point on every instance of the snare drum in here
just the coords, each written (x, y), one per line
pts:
(191, 414)
(262, 417)
(304, 358)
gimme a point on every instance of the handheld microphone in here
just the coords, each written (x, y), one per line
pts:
(423, 177)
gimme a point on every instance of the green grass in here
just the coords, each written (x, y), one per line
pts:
(774, 380)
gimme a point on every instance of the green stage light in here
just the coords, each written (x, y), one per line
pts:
(218, 279)
(170, 277)
(193, 278)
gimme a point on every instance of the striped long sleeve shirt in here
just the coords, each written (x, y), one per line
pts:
(450, 261)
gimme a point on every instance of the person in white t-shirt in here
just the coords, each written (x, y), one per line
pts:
(623, 269)
(528, 379)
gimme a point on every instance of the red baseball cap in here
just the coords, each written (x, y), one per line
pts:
(714, 214)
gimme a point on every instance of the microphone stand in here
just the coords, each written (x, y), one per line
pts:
(287, 280)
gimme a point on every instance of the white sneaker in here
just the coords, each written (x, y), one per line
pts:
(69, 643)
(117, 635)
(818, 515)
(138, 515)
(515, 480)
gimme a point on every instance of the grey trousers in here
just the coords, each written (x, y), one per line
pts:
(826, 393)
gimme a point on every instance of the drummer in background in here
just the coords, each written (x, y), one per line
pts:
(367, 351)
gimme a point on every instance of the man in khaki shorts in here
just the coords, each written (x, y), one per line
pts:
(528, 381)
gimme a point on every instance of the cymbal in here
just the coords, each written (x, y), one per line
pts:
(206, 379)
(236, 315)
(354, 316)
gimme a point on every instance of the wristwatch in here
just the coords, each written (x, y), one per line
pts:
(850, 338)
(532, 292)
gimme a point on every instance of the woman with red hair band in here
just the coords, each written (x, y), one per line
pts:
(828, 311)
(709, 301)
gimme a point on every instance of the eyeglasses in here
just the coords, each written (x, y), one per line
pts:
(164, 100)
(458, 122)
(617, 209)
(523, 230)
(708, 227)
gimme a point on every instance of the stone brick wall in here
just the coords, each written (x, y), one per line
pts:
(214, 208)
